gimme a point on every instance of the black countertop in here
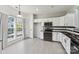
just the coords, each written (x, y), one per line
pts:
(60, 30)
(60, 26)
(63, 27)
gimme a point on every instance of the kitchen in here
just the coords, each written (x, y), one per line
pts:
(49, 23)
(64, 29)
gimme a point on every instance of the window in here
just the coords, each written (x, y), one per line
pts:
(10, 25)
(19, 27)
(11, 28)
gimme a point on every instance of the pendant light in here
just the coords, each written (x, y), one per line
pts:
(19, 12)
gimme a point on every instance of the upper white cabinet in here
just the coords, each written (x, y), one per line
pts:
(72, 19)
(76, 18)
(61, 21)
(56, 21)
(69, 20)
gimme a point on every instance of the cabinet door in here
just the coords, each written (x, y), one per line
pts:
(61, 21)
(69, 20)
(67, 45)
(56, 36)
(56, 22)
(76, 18)
(63, 41)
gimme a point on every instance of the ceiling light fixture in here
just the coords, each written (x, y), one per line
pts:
(19, 12)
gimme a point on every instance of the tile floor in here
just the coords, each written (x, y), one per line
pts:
(34, 46)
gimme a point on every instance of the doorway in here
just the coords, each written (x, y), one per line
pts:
(38, 30)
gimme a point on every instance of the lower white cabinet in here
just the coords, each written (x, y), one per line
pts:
(65, 41)
(55, 36)
(67, 45)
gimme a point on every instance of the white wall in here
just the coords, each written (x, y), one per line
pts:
(31, 26)
(28, 23)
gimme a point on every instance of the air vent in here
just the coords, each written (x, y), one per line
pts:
(52, 6)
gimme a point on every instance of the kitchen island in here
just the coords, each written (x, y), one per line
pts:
(68, 36)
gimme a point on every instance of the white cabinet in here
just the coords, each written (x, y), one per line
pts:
(76, 18)
(63, 40)
(69, 20)
(55, 36)
(56, 21)
(66, 43)
(61, 21)
(72, 19)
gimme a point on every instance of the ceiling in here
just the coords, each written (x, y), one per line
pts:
(43, 9)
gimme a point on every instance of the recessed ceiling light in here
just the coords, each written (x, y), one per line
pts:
(37, 9)
(51, 6)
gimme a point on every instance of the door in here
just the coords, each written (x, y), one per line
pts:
(38, 30)
(35, 30)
